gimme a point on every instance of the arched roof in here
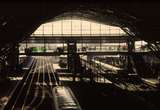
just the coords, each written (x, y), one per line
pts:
(20, 19)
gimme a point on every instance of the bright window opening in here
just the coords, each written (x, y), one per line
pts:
(77, 27)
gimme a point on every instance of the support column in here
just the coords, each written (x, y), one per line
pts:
(3, 69)
(131, 45)
(72, 58)
(13, 58)
(131, 50)
(90, 71)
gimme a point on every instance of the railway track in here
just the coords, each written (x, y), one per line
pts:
(117, 76)
(35, 90)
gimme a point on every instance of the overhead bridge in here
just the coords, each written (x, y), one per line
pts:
(78, 39)
(91, 53)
